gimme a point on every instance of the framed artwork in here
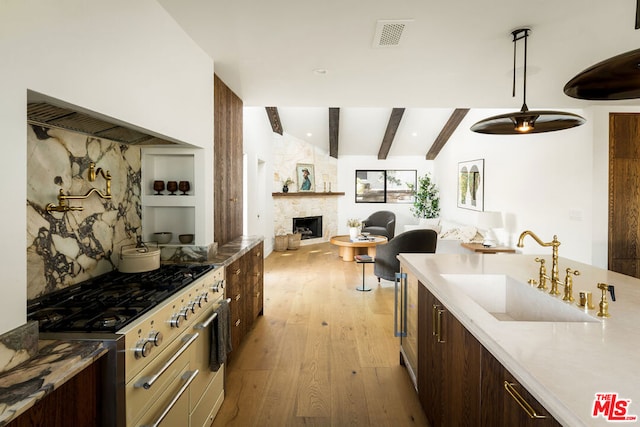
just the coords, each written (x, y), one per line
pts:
(385, 186)
(471, 185)
(306, 177)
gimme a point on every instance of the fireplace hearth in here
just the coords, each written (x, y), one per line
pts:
(309, 227)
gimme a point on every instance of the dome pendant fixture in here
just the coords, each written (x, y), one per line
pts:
(613, 79)
(526, 121)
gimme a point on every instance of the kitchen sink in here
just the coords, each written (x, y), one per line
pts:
(508, 299)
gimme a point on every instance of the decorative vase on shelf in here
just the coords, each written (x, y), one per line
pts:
(354, 232)
(285, 188)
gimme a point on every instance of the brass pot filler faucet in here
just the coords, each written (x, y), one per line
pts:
(585, 299)
(62, 205)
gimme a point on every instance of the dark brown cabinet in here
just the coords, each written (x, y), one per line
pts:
(460, 383)
(505, 402)
(227, 147)
(75, 403)
(244, 279)
(448, 365)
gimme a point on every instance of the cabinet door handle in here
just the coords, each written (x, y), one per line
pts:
(434, 319)
(238, 297)
(521, 401)
(238, 322)
(237, 272)
(439, 325)
(398, 298)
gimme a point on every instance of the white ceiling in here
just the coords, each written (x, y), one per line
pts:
(454, 54)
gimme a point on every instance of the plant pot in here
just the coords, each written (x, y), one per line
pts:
(354, 232)
(285, 189)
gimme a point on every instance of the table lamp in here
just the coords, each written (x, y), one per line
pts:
(490, 221)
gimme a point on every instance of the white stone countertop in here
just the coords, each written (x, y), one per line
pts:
(562, 364)
(57, 362)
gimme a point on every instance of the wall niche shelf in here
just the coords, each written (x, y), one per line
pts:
(308, 194)
(179, 214)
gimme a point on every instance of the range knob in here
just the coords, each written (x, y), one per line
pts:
(176, 321)
(216, 287)
(205, 296)
(143, 348)
(192, 306)
(155, 338)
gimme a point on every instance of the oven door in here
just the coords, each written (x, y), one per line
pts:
(159, 394)
(207, 389)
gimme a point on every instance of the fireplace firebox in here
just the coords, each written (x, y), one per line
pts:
(309, 227)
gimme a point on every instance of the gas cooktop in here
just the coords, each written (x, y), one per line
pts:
(109, 302)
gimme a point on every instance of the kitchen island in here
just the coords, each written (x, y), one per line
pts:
(562, 364)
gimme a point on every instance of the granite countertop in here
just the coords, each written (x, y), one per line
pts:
(231, 251)
(563, 364)
(56, 362)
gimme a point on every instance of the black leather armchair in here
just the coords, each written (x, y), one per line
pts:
(381, 223)
(413, 241)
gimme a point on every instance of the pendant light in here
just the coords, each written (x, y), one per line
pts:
(610, 80)
(526, 121)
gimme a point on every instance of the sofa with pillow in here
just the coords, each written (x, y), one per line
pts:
(450, 234)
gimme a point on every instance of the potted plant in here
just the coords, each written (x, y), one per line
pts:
(427, 200)
(354, 228)
(285, 185)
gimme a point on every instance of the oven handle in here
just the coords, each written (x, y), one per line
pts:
(147, 382)
(189, 376)
(210, 319)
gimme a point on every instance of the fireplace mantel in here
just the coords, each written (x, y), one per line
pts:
(308, 194)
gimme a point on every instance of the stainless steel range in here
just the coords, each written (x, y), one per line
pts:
(156, 326)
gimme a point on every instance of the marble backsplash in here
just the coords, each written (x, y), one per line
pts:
(68, 248)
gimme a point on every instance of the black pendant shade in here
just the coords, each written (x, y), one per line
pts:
(526, 121)
(612, 79)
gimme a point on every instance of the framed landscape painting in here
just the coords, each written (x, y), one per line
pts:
(471, 185)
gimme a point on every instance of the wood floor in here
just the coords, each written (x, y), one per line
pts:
(323, 354)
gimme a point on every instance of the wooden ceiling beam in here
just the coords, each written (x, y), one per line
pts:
(334, 127)
(446, 132)
(274, 119)
(390, 133)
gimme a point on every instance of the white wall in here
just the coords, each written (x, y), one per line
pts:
(126, 60)
(258, 149)
(348, 208)
(542, 183)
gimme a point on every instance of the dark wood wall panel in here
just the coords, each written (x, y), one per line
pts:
(624, 193)
(227, 111)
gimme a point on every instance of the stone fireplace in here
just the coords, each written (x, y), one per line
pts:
(309, 227)
(304, 206)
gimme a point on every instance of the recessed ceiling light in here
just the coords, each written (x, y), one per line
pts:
(309, 134)
(320, 71)
(414, 133)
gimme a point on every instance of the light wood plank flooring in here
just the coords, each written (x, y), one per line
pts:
(323, 354)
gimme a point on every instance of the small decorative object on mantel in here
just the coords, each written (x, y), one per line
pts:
(285, 185)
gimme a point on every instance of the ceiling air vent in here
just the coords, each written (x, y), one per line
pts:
(389, 32)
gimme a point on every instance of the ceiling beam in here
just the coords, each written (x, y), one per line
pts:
(390, 133)
(446, 132)
(334, 126)
(274, 119)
